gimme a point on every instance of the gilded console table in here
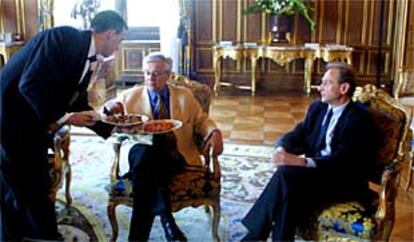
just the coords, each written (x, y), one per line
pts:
(281, 55)
(8, 49)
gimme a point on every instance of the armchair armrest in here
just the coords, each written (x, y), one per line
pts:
(211, 162)
(387, 193)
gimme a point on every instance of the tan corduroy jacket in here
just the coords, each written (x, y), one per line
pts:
(183, 107)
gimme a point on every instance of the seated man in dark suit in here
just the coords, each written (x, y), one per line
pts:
(315, 159)
(153, 166)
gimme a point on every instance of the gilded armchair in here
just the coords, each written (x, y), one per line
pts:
(59, 164)
(351, 221)
(195, 186)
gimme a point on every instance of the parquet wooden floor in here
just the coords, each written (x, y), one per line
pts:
(264, 118)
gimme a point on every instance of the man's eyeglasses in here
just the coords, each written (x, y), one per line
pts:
(155, 73)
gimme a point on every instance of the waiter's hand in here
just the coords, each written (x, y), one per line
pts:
(82, 119)
(215, 142)
(283, 158)
(113, 107)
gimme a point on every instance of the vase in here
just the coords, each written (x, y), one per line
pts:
(280, 25)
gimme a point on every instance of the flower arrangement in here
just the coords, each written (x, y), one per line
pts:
(282, 7)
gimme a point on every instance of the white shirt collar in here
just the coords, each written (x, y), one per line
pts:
(338, 109)
(92, 49)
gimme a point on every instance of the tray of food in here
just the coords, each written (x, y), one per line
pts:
(125, 120)
(160, 126)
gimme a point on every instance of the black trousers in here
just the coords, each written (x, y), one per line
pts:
(151, 169)
(26, 210)
(290, 197)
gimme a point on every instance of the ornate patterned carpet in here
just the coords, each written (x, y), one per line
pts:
(246, 169)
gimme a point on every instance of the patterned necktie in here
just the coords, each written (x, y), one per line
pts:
(322, 134)
(162, 109)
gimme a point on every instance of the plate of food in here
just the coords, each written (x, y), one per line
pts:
(125, 120)
(160, 126)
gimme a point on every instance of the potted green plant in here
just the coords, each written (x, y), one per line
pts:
(281, 12)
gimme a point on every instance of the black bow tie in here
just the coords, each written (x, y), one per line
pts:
(92, 58)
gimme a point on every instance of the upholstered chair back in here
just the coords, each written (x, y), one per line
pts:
(390, 121)
(200, 91)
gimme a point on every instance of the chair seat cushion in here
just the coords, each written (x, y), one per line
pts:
(349, 218)
(188, 184)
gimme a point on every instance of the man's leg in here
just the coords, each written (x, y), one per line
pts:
(32, 218)
(280, 205)
(259, 219)
(144, 193)
(10, 217)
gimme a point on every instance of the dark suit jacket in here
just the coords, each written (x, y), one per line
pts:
(352, 143)
(37, 85)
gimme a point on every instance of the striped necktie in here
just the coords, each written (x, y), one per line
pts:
(322, 133)
(162, 109)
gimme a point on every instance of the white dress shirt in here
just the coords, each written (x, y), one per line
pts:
(336, 114)
(91, 52)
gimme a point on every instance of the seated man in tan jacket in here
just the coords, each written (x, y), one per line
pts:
(152, 166)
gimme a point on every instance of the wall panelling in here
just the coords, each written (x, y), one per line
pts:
(346, 22)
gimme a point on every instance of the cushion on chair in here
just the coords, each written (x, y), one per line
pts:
(121, 188)
(194, 184)
(186, 185)
(349, 218)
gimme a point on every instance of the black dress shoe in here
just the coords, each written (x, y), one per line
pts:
(171, 230)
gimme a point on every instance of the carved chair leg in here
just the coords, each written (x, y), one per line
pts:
(68, 177)
(111, 210)
(216, 220)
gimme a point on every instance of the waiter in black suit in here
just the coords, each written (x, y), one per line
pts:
(43, 86)
(325, 158)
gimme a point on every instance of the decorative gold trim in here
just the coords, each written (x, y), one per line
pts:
(390, 20)
(2, 15)
(18, 14)
(295, 33)
(313, 33)
(346, 28)
(264, 30)
(321, 17)
(339, 26)
(371, 23)
(244, 32)
(221, 20)
(244, 22)
(364, 23)
(238, 24)
(238, 29)
(24, 31)
(214, 22)
(400, 39)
